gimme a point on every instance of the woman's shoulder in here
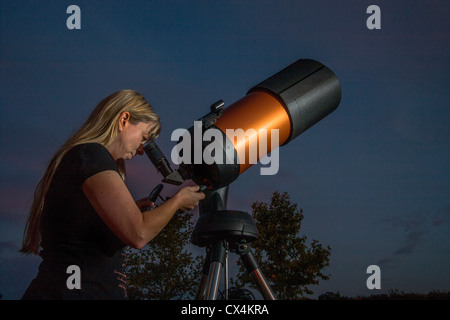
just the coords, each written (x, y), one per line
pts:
(89, 146)
(90, 153)
(89, 158)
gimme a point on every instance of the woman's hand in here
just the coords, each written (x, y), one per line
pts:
(189, 197)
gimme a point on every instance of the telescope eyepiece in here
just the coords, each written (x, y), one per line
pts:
(158, 159)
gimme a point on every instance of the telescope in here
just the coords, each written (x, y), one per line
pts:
(271, 114)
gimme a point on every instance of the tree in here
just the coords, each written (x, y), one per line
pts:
(288, 264)
(165, 269)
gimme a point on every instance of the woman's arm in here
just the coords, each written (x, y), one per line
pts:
(113, 202)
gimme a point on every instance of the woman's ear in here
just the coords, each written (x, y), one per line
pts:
(123, 120)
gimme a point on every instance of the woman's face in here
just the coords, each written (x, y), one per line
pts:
(131, 138)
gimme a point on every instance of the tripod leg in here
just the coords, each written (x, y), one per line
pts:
(252, 267)
(226, 275)
(201, 293)
(217, 259)
(212, 285)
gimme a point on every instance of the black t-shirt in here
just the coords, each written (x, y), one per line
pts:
(74, 234)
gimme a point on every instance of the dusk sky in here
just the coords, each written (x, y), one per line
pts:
(373, 177)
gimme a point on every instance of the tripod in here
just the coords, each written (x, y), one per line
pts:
(220, 231)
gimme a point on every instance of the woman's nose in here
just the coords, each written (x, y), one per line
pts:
(140, 150)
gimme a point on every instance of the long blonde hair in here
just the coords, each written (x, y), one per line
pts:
(101, 127)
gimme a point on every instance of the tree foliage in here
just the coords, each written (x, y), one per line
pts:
(165, 269)
(284, 257)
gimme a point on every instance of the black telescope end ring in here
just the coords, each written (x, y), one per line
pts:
(307, 89)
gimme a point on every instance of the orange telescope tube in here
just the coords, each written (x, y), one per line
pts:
(290, 101)
(258, 110)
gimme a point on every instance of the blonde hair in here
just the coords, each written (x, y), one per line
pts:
(101, 127)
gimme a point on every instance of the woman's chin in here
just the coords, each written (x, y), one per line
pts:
(128, 156)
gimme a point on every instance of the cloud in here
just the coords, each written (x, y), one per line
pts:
(415, 226)
(441, 217)
(411, 241)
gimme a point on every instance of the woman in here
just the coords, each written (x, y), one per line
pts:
(83, 215)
